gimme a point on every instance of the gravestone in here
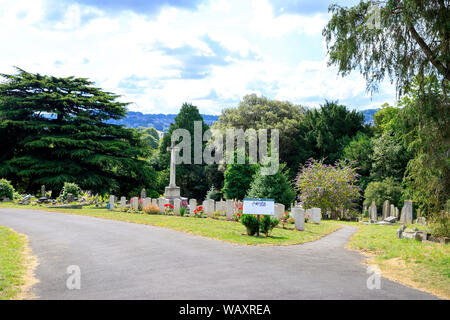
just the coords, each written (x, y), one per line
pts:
(279, 210)
(111, 202)
(143, 193)
(373, 211)
(421, 221)
(230, 212)
(43, 191)
(298, 214)
(392, 211)
(70, 197)
(209, 207)
(161, 205)
(135, 203)
(220, 206)
(176, 206)
(386, 207)
(146, 202)
(192, 206)
(316, 215)
(123, 203)
(155, 202)
(407, 212)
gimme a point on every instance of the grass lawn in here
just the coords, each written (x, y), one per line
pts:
(229, 231)
(14, 264)
(424, 266)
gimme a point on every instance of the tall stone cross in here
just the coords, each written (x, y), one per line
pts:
(172, 150)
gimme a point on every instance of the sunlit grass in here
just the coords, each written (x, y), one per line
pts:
(425, 264)
(12, 263)
(229, 231)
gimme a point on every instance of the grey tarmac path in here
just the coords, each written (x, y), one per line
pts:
(120, 260)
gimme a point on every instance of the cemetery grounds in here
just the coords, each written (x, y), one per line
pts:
(425, 266)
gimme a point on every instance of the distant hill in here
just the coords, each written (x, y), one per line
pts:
(161, 122)
(368, 115)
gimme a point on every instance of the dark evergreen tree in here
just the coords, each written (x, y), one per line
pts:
(325, 132)
(191, 178)
(54, 130)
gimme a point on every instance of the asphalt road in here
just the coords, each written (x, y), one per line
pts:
(120, 260)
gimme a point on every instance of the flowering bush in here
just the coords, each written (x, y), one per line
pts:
(330, 187)
(168, 208)
(238, 214)
(151, 209)
(199, 212)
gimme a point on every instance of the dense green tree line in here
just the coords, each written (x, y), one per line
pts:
(53, 131)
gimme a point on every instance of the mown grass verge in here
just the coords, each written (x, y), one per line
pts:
(425, 266)
(16, 265)
(229, 231)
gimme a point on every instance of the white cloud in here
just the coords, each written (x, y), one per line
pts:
(110, 48)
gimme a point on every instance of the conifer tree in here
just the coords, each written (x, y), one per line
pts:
(54, 130)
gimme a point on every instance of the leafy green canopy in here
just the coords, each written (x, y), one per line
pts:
(54, 131)
(379, 191)
(325, 132)
(257, 113)
(398, 38)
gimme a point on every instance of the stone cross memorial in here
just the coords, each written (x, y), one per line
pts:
(172, 191)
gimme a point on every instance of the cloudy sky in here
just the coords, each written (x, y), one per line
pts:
(159, 54)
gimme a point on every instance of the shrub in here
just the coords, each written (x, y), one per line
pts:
(70, 187)
(440, 224)
(275, 186)
(332, 187)
(182, 211)
(151, 209)
(6, 189)
(267, 224)
(213, 194)
(251, 223)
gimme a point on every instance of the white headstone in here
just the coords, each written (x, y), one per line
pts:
(209, 207)
(230, 212)
(123, 202)
(299, 216)
(176, 206)
(192, 206)
(279, 210)
(135, 203)
(111, 202)
(316, 215)
(146, 202)
(161, 205)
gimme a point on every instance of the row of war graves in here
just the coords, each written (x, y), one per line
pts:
(391, 214)
(226, 208)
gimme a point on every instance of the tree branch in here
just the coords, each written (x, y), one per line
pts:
(426, 49)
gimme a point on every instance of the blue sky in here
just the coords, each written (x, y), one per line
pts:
(159, 54)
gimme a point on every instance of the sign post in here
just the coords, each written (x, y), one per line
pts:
(259, 207)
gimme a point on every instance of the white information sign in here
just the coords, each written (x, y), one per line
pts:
(259, 206)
